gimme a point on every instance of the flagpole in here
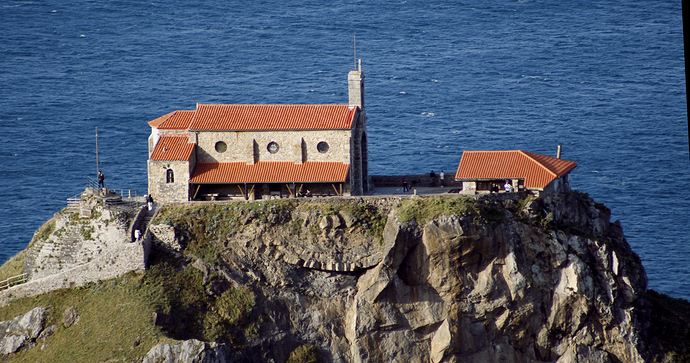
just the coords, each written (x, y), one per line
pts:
(97, 166)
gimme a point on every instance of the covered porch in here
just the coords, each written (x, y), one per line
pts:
(257, 191)
(494, 185)
(268, 180)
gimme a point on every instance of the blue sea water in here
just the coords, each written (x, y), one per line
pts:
(605, 79)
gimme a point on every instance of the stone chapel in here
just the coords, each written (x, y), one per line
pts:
(238, 151)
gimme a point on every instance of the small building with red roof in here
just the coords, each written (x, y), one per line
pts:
(226, 151)
(486, 171)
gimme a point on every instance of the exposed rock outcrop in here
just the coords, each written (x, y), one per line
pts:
(70, 317)
(24, 331)
(509, 280)
(189, 351)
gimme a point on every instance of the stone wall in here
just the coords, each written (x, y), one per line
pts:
(163, 191)
(420, 180)
(295, 146)
(110, 264)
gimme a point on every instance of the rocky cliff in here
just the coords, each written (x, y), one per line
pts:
(448, 279)
(508, 278)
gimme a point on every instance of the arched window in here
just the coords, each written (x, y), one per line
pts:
(169, 176)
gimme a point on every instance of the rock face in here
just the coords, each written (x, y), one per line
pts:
(537, 280)
(188, 351)
(24, 331)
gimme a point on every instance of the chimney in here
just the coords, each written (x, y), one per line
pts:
(355, 86)
(558, 153)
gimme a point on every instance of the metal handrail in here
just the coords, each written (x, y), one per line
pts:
(13, 281)
(94, 184)
(74, 200)
(129, 193)
(90, 183)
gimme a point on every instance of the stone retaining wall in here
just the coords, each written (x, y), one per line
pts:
(415, 180)
(117, 261)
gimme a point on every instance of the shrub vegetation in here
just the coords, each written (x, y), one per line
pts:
(306, 353)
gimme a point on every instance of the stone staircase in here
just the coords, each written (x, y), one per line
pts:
(49, 257)
(143, 225)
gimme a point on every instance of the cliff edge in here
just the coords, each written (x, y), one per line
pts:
(494, 278)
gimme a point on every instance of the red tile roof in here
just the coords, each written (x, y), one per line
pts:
(537, 170)
(270, 172)
(273, 117)
(160, 120)
(173, 147)
(176, 120)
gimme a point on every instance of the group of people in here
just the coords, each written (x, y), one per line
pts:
(441, 175)
(304, 194)
(432, 177)
(508, 187)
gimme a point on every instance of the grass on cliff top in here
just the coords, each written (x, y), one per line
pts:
(115, 323)
(205, 228)
(424, 210)
(259, 209)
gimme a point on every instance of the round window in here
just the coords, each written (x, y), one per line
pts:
(322, 147)
(273, 147)
(221, 146)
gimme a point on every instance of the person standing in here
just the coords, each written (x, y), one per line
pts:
(441, 176)
(432, 176)
(405, 188)
(101, 180)
(508, 187)
(149, 201)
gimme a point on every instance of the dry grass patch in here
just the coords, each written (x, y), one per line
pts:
(115, 323)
